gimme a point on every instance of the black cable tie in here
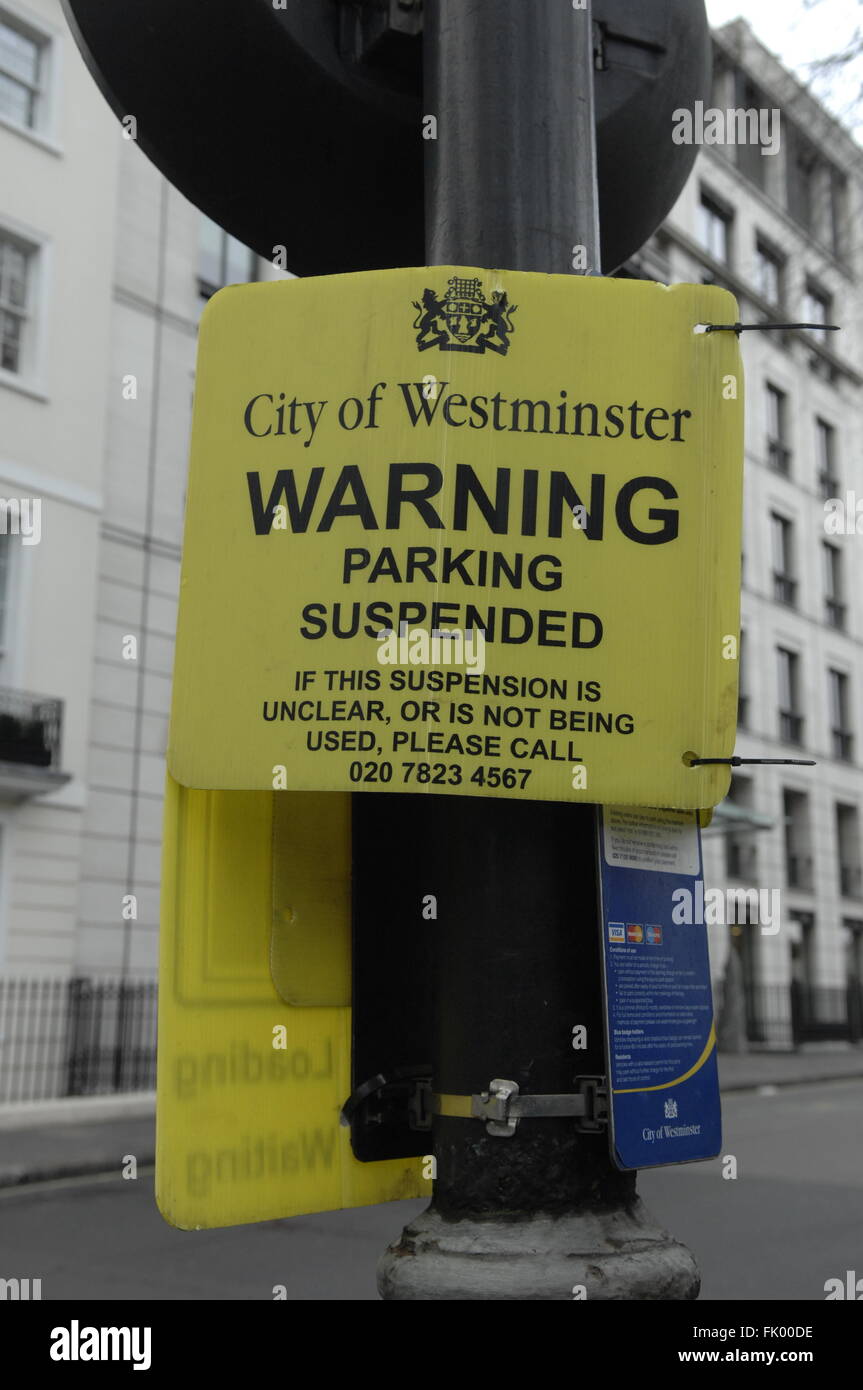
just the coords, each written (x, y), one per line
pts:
(363, 1092)
(751, 762)
(739, 328)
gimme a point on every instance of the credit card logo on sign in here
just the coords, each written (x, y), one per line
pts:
(653, 936)
(616, 931)
(634, 932)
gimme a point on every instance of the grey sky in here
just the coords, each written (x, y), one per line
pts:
(798, 35)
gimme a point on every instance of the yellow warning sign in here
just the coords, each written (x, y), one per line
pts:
(250, 1085)
(463, 531)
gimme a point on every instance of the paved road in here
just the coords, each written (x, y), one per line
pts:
(792, 1219)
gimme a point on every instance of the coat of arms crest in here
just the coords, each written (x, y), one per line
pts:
(464, 320)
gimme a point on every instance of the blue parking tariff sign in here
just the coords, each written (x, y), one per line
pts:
(661, 1041)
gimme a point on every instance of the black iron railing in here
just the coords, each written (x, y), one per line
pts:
(788, 1015)
(86, 1037)
(78, 1037)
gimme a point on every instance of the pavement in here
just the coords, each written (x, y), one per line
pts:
(791, 1220)
(826, 1062)
(42, 1141)
(48, 1140)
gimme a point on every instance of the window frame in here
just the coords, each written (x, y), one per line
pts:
(7, 577)
(839, 709)
(847, 814)
(21, 313)
(801, 167)
(19, 572)
(791, 719)
(814, 293)
(48, 37)
(206, 288)
(833, 573)
(778, 437)
(797, 836)
(837, 211)
(766, 253)
(30, 376)
(825, 454)
(783, 550)
(742, 682)
(710, 204)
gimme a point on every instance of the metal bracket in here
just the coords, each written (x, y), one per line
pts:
(368, 26)
(499, 1107)
(595, 1091)
(405, 1093)
(421, 1106)
(502, 1106)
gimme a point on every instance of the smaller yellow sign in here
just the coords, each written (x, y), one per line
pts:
(250, 1086)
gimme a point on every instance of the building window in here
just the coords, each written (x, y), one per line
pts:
(742, 693)
(798, 860)
(6, 561)
(768, 274)
(843, 739)
(804, 1002)
(778, 452)
(740, 853)
(714, 228)
(834, 587)
(837, 212)
(790, 717)
(848, 851)
(801, 164)
(784, 583)
(747, 153)
(818, 309)
(854, 976)
(222, 260)
(22, 72)
(15, 295)
(825, 448)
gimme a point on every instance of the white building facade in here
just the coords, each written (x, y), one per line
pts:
(781, 231)
(57, 248)
(104, 269)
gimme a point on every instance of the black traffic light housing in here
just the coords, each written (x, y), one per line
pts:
(302, 126)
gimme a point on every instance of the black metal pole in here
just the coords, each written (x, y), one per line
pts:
(511, 177)
(511, 183)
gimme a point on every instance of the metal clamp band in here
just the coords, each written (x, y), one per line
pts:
(502, 1106)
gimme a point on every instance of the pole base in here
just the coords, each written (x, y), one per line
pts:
(606, 1255)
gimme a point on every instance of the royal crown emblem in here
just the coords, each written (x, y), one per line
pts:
(464, 320)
